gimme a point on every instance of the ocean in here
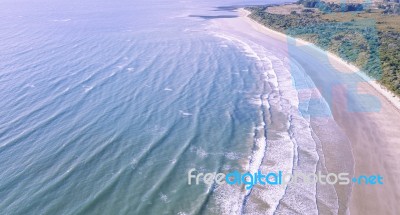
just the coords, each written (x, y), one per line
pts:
(105, 106)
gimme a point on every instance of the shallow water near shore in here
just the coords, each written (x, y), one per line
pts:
(106, 106)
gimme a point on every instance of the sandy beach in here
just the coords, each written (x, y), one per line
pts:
(373, 135)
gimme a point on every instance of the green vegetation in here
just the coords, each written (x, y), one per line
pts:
(331, 7)
(388, 7)
(370, 40)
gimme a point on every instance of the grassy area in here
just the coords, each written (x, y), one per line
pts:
(286, 9)
(368, 39)
(384, 22)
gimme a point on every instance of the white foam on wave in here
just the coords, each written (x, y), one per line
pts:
(183, 113)
(241, 44)
(275, 154)
(229, 199)
(164, 198)
(294, 140)
(31, 85)
(133, 163)
(61, 20)
(232, 155)
(255, 101)
(87, 88)
(200, 152)
(232, 199)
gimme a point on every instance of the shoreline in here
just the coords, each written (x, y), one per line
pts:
(319, 140)
(373, 136)
(336, 153)
(390, 96)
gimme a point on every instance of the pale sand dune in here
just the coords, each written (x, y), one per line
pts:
(375, 137)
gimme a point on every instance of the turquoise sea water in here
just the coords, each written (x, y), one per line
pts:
(105, 106)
